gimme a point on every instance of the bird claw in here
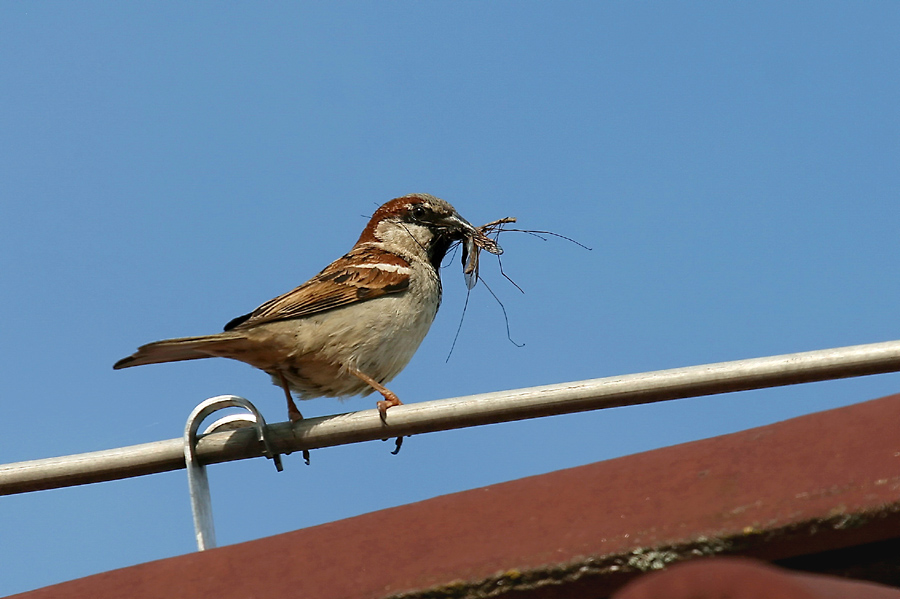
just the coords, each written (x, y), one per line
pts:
(387, 402)
(398, 442)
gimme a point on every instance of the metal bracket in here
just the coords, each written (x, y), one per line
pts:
(198, 483)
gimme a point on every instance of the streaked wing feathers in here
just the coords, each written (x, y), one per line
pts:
(364, 273)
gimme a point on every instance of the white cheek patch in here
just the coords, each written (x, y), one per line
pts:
(412, 237)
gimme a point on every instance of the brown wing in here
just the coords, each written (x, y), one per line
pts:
(363, 274)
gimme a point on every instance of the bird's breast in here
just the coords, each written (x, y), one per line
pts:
(378, 337)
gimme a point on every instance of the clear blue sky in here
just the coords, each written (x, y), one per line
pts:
(166, 167)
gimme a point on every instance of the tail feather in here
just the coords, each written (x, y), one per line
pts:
(176, 350)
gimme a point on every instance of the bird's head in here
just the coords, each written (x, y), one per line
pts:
(421, 224)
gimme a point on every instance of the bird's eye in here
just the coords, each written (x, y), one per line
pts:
(418, 211)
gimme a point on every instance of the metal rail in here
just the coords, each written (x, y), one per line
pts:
(446, 414)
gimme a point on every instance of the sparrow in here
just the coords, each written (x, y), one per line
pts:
(354, 326)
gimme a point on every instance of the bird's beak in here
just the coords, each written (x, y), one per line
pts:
(465, 229)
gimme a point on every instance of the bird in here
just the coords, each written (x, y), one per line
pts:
(354, 326)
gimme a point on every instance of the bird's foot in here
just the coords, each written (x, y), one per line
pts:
(390, 400)
(293, 413)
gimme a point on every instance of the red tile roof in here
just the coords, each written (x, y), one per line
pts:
(742, 578)
(819, 482)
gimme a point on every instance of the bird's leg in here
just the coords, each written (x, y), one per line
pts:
(293, 413)
(390, 400)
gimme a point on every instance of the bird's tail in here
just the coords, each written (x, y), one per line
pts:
(175, 350)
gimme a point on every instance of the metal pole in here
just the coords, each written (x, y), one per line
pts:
(431, 416)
